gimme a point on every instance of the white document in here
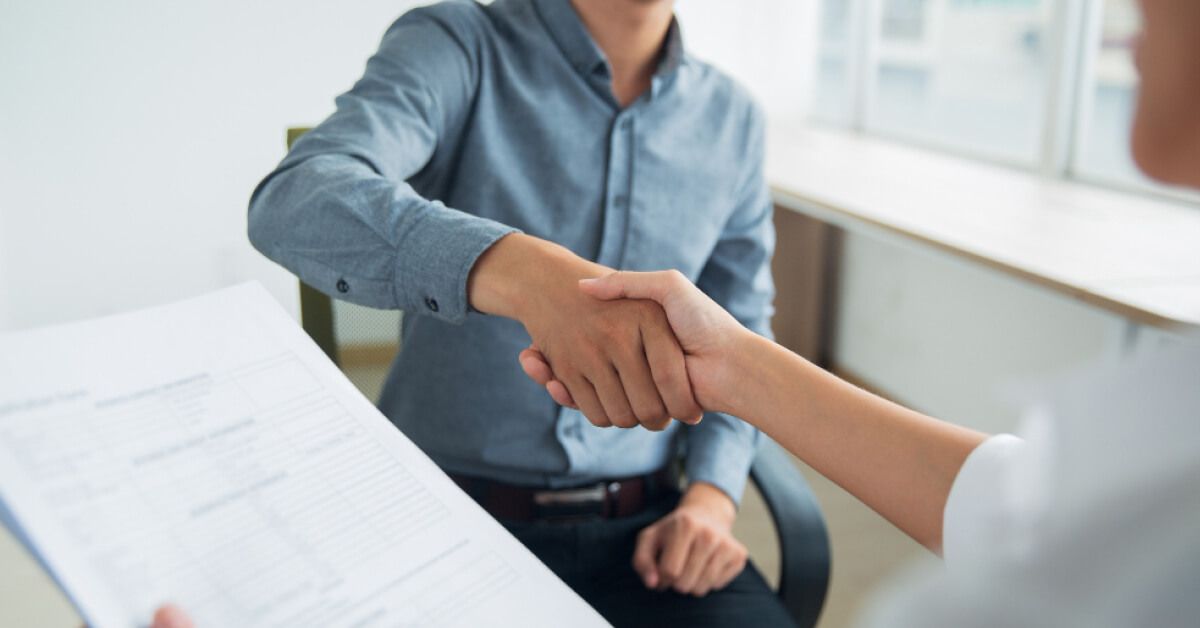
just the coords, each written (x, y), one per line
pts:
(207, 453)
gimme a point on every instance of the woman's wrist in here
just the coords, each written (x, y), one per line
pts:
(743, 374)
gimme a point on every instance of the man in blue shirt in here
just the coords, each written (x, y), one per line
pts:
(489, 158)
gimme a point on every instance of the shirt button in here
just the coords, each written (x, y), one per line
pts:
(431, 303)
(620, 202)
(342, 286)
(626, 124)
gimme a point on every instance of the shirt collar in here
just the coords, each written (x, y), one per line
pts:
(672, 52)
(577, 45)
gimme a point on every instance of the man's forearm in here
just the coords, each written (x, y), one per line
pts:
(308, 216)
(508, 278)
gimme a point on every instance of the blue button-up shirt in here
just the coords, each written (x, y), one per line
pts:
(473, 121)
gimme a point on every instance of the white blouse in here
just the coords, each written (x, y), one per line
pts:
(1091, 518)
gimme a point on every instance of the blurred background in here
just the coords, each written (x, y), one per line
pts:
(133, 131)
(976, 76)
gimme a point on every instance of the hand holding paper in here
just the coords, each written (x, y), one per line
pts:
(207, 453)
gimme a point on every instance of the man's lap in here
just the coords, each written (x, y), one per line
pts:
(595, 559)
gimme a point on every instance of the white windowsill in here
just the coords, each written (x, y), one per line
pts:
(1135, 256)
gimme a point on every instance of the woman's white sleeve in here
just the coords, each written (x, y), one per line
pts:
(979, 511)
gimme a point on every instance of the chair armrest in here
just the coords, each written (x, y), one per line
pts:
(803, 540)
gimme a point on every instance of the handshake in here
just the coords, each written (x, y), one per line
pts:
(624, 348)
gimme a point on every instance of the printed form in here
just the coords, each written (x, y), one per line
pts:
(208, 454)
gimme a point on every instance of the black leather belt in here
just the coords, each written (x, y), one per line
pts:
(600, 500)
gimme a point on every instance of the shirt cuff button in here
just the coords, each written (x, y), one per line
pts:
(342, 286)
(431, 303)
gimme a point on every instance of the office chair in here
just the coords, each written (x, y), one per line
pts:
(799, 524)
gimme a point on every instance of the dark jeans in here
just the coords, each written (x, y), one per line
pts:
(595, 559)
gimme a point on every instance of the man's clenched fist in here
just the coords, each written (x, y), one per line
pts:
(692, 550)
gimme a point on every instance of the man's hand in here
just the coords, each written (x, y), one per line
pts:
(708, 335)
(618, 361)
(692, 550)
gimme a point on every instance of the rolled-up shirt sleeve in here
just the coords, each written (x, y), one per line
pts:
(737, 275)
(338, 211)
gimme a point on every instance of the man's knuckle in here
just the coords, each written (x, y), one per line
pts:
(650, 412)
(654, 314)
(658, 426)
(591, 362)
(626, 350)
(623, 418)
(615, 339)
(668, 378)
(566, 370)
(611, 326)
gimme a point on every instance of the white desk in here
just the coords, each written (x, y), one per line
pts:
(1134, 256)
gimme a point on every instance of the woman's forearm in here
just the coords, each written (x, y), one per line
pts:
(899, 462)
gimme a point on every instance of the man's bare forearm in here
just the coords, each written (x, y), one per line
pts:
(517, 270)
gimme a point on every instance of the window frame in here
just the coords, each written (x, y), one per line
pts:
(1074, 34)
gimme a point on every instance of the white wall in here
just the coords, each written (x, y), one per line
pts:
(768, 45)
(132, 132)
(4, 314)
(956, 339)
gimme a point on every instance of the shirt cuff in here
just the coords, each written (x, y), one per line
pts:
(977, 512)
(435, 260)
(720, 451)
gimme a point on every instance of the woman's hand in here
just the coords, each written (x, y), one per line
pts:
(709, 335)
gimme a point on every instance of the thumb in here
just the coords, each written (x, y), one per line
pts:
(629, 285)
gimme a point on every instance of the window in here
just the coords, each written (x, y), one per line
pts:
(1109, 98)
(969, 76)
(834, 92)
(1046, 85)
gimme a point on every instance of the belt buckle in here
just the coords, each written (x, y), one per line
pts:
(575, 504)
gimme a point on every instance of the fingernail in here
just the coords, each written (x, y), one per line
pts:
(589, 281)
